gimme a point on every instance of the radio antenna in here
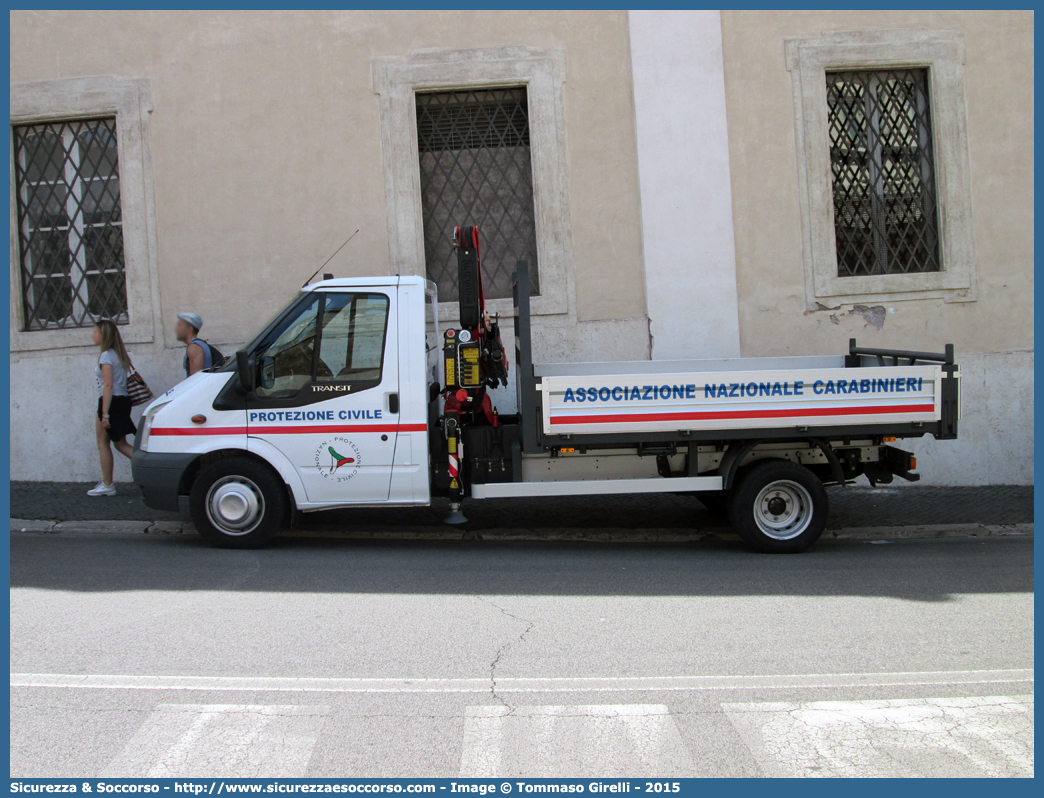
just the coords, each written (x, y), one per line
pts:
(306, 282)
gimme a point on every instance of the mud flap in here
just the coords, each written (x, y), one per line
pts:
(899, 463)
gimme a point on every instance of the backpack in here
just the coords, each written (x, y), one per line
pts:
(216, 358)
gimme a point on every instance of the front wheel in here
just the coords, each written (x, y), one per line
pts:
(237, 503)
(779, 506)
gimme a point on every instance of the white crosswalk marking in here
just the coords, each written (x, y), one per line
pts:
(607, 741)
(592, 684)
(221, 740)
(937, 737)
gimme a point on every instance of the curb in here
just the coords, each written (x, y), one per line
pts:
(20, 525)
(603, 535)
(931, 531)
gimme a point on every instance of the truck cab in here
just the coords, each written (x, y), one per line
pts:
(327, 406)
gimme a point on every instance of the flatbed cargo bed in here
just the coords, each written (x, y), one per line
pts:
(868, 392)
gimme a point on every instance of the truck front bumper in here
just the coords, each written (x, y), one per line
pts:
(159, 475)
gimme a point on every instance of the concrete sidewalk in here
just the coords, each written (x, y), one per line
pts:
(885, 512)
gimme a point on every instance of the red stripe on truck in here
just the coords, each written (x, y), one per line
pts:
(301, 430)
(198, 431)
(620, 418)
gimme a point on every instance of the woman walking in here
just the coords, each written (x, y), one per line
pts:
(113, 423)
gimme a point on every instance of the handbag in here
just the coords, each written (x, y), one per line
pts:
(137, 390)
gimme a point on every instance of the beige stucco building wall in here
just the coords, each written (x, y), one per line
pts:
(266, 155)
(999, 103)
(993, 335)
(265, 148)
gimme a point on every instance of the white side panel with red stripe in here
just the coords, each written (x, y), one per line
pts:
(740, 400)
(173, 430)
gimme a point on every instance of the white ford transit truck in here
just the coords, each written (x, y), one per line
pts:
(353, 396)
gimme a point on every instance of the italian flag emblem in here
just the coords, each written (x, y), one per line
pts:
(339, 460)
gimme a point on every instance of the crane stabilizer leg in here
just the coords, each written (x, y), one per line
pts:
(454, 450)
(455, 515)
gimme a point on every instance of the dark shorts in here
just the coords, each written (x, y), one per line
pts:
(120, 424)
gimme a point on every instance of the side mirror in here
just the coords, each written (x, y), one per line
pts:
(245, 371)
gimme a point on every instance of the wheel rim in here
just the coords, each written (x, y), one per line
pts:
(783, 509)
(235, 505)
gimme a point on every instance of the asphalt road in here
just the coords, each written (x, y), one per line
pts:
(153, 655)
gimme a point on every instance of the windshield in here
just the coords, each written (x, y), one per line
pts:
(271, 320)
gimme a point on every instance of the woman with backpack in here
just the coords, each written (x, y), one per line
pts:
(113, 423)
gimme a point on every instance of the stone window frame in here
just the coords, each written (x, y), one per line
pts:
(942, 54)
(396, 79)
(130, 100)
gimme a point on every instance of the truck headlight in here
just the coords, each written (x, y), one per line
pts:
(146, 424)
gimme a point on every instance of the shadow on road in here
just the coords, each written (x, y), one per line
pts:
(917, 570)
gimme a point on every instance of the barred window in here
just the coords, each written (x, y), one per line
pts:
(880, 130)
(69, 224)
(475, 170)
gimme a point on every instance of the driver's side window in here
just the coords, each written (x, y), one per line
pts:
(351, 330)
(352, 346)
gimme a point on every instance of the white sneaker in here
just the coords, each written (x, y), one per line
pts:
(101, 489)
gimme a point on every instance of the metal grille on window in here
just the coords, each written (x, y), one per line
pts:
(885, 216)
(475, 169)
(69, 224)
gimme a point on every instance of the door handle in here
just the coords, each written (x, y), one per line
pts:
(393, 403)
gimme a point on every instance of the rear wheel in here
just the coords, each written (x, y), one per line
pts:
(779, 506)
(237, 503)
